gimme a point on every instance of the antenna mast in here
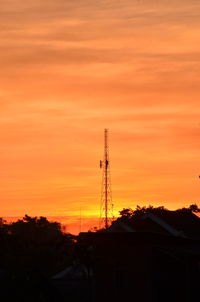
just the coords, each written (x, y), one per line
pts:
(106, 211)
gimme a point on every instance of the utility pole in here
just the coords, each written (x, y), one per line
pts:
(106, 211)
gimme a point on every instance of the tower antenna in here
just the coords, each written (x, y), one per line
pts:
(106, 211)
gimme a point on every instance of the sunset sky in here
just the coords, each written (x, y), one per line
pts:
(69, 69)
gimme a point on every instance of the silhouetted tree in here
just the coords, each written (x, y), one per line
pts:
(127, 213)
(193, 208)
(35, 246)
(139, 211)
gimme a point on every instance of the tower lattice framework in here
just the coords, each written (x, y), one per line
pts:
(106, 210)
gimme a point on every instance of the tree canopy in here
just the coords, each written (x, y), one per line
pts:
(128, 213)
(34, 245)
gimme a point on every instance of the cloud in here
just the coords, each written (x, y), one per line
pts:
(71, 68)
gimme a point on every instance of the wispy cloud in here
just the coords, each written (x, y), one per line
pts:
(68, 69)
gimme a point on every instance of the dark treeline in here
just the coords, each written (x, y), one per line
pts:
(35, 245)
(33, 250)
(128, 213)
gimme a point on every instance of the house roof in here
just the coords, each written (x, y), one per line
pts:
(137, 225)
(177, 223)
(181, 221)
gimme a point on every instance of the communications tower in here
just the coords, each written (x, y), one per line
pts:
(106, 208)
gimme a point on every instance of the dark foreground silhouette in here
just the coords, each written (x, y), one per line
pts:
(32, 250)
(147, 254)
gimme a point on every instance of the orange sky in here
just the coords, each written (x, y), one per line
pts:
(69, 69)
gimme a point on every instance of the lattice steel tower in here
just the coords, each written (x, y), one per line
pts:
(106, 210)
